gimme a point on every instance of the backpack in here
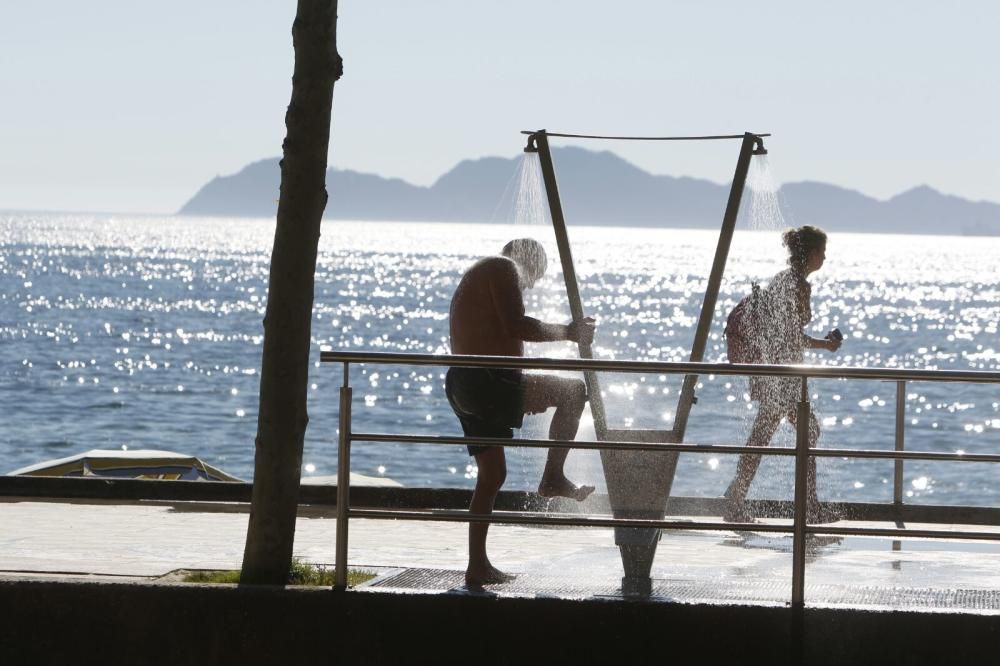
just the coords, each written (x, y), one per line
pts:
(743, 328)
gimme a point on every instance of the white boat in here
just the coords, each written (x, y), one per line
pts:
(139, 464)
(161, 465)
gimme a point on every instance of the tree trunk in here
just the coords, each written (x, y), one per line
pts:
(284, 378)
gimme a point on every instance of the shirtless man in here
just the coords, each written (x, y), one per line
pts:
(487, 318)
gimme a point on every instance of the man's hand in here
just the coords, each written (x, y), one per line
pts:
(581, 332)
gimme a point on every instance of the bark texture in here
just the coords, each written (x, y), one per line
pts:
(284, 379)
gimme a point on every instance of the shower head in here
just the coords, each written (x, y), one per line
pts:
(532, 146)
(759, 148)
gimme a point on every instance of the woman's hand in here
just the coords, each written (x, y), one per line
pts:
(828, 343)
(833, 340)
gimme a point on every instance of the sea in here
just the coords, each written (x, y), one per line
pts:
(141, 332)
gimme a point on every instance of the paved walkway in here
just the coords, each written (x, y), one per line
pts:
(150, 539)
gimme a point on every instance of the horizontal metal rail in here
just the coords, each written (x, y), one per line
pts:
(549, 443)
(905, 455)
(663, 367)
(664, 447)
(710, 137)
(524, 518)
(906, 532)
(799, 527)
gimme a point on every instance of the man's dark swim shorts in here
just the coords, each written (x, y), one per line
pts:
(489, 402)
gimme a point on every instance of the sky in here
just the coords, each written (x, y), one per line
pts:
(131, 105)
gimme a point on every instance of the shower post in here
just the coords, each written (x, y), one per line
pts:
(539, 142)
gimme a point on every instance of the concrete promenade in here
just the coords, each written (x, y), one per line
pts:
(145, 540)
(86, 581)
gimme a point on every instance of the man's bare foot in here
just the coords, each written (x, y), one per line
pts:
(564, 488)
(488, 575)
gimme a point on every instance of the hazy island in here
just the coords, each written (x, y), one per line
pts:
(597, 188)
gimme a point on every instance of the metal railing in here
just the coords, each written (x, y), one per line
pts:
(799, 527)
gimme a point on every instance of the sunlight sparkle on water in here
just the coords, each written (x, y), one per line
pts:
(146, 283)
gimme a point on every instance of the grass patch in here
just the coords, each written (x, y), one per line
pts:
(212, 576)
(301, 573)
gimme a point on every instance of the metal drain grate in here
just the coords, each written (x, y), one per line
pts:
(745, 591)
(910, 598)
(423, 579)
(524, 584)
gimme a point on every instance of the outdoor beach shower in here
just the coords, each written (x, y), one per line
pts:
(638, 481)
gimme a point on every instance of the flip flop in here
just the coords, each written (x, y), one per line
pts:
(738, 513)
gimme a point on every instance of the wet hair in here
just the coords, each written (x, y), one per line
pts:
(529, 255)
(802, 242)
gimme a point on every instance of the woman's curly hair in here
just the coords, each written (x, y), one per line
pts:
(801, 242)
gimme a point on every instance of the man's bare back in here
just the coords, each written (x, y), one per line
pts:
(486, 301)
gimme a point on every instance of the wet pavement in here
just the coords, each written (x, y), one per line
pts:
(147, 540)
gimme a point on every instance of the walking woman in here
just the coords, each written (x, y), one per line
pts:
(788, 311)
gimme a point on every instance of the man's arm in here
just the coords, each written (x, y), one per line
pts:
(505, 288)
(534, 330)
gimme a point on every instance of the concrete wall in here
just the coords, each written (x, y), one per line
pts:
(46, 622)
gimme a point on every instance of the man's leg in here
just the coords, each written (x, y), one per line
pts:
(568, 396)
(492, 464)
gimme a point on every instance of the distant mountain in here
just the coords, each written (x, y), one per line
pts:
(595, 188)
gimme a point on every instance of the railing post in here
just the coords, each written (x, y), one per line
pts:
(897, 484)
(343, 483)
(801, 480)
